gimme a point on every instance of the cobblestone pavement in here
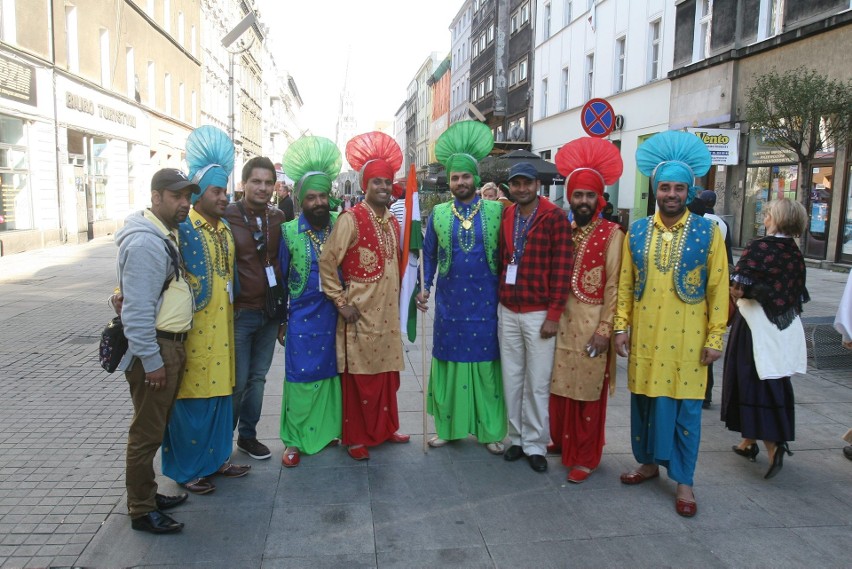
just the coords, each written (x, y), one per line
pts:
(63, 423)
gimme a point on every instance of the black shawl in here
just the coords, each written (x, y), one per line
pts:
(772, 271)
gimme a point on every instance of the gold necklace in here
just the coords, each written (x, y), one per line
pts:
(467, 222)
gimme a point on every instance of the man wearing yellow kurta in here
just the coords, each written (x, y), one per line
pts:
(198, 440)
(673, 296)
(584, 364)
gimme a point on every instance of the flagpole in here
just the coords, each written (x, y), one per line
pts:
(423, 349)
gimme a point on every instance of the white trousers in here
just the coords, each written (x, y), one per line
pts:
(527, 361)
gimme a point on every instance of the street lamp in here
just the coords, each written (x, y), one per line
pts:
(231, 37)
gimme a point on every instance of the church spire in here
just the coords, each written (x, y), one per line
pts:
(347, 126)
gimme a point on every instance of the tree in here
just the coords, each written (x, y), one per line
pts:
(803, 111)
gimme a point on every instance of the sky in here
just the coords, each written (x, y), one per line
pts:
(386, 42)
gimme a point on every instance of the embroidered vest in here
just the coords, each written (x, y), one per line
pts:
(588, 280)
(301, 257)
(690, 267)
(199, 262)
(364, 261)
(488, 219)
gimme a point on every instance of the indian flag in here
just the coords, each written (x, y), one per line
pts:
(411, 243)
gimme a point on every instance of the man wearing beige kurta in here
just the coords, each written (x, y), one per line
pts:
(364, 248)
(584, 363)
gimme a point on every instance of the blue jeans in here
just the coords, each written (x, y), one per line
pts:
(254, 343)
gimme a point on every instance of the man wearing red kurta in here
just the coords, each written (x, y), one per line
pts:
(584, 364)
(364, 247)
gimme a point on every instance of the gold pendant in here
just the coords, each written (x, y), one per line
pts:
(466, 224)
(668, 236)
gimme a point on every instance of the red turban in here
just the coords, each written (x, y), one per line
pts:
(589, 164)
(374, 155)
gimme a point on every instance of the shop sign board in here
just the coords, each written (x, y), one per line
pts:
(90, 110)
(764, 153)
(723, 144)
(17, 81)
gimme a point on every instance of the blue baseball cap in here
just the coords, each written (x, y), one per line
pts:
(523, 169)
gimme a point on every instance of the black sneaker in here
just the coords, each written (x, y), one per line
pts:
(254, 448)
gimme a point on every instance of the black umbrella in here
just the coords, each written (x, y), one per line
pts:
(547, 172)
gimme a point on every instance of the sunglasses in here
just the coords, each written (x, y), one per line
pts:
(260, 242)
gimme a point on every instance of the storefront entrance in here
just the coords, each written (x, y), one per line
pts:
(816, 237)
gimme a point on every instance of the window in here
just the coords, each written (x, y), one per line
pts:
(180, 30)
(620, 47)
(194, 109)
(476, 5)
(8, 27)
(482, 88)
(489, 84)
(131, 72)
(522, 70)
(181, 102)
(150, 8)
(71, 43)
(481, 43)
(525, 13)
(192, 39)
(702, 25)
(770, 24)
(475, 49)
(104, 47)
(16, 211)
(546, 23)
(588, 88)
(167, 93)
(654, 47)
(567, 14)
(513, 76)
(167, 16)
(490, 33)
(515, 23)
(543, 98)
(519, 17)
(152, 85)
(563, 96)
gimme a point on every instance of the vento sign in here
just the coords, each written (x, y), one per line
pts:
(722, 143)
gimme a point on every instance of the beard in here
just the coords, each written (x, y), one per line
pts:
(318, 217)
(582, 217)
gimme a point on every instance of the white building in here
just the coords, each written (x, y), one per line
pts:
(460, 70)
(618, 50)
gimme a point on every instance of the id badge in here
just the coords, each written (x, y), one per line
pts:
(270, 275)
(511, 273)
(230, 288)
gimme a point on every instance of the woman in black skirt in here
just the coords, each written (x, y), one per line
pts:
(767, 341)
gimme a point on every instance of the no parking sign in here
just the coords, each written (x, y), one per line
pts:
(597, 118)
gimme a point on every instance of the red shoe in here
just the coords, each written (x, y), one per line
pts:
(399, 438)
(578, 475)
(686, 508)
(291, 457)
(358, 453)
(637, 477)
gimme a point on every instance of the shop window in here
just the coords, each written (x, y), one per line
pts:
(765, 183)
(846, 239)
(99, 170)
(15, 196)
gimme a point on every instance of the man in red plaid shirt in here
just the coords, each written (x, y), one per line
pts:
(536, 251)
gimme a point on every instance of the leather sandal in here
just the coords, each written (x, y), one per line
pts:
(636, 477)
(686, 508)
(230, 470)
(436, 442)
(200, 486)
(495, 447)
(291, 457)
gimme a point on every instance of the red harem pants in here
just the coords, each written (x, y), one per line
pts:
(578, 427)
(370, 414)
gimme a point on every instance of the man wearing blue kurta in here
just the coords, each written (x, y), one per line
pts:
(465, 394)
(311, 410)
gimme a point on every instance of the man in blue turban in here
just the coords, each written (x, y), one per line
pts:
(671, 314)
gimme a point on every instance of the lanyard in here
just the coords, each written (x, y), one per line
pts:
(519, 235)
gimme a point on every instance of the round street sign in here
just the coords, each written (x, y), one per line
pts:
(598, 118)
